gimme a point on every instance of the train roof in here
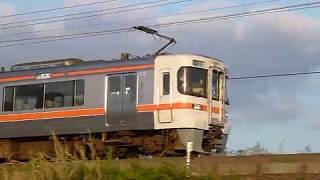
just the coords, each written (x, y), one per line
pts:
(86, 65)
(92, 64)
(209, 57)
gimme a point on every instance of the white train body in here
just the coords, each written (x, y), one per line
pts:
(164, 101)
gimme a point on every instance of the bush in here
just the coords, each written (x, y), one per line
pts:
(64, 169)
(65, 166)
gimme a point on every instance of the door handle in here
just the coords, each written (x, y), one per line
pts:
(128, 89)
(115, 93)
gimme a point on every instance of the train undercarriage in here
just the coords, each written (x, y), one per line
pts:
(120, 144)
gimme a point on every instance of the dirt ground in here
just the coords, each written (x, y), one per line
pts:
(289, 166)
(281, 177)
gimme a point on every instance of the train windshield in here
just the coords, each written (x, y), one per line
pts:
(215, 85)
(192, 81)
(226, 93)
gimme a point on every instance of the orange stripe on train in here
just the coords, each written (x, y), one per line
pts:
(94, 112)
(17, 78)
(52, 115)
(154, 107)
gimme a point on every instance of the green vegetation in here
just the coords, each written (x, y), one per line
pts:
(65, 168)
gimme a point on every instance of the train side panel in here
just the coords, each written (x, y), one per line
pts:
(126, 93)
(145, 96)
(90, 117)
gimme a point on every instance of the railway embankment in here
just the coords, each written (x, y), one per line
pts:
(295, 166)
(245, 165)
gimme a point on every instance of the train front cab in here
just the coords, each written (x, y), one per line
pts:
(190, 94)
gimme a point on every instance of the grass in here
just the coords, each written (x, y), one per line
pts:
(77, 166)
(65, 169)
(65, 166)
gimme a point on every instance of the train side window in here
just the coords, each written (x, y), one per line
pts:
(59, 94)
(39, 96)
(165, 83)
(8, 95)
(28, 97)
(79, 98)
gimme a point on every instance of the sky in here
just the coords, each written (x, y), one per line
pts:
(280, 113)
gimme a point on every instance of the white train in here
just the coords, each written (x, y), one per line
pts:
(151, 105)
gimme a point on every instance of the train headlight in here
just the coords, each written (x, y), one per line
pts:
(197, 106)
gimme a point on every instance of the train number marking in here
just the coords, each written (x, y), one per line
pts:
(43, 76)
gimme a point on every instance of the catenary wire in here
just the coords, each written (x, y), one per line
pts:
(171, 23)
(231, 16)
(243, 14)
(159, 25)
(64, 35)
(149, 18)
(56, 9)
(274, 75)
(12, 24)
(72, 37)
(85, 12)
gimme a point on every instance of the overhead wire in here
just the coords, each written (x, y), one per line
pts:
(273, 75)
(156, 25)
(83, 35)
(210, 10)
(243, 14)
(56, 9)
(64, 35)
(85, 12)
(149, 18)
(12, 24)
(200, 20)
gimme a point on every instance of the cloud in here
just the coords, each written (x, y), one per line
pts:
(117, 17)
(278, 43)
(45, 29)
(7, 8)
(268, 44)
(266, 101)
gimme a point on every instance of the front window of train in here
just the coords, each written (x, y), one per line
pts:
(193, 81)
(215, 85)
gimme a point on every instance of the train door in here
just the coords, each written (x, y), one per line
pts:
(121, 99)
(114, 100)
(165, 97)
(129, 99)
